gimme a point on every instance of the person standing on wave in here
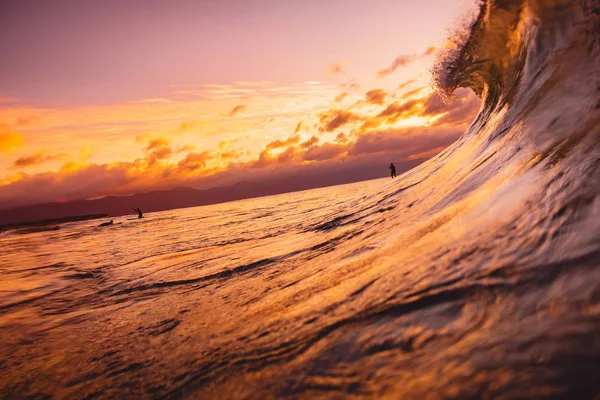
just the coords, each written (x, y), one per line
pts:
(393, 170)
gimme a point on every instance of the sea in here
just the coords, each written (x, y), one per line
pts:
(475, 275)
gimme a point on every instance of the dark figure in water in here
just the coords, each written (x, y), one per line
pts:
(107, 223)
(140, 214)
(393, 170)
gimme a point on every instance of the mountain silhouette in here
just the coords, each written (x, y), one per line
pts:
(182, 197)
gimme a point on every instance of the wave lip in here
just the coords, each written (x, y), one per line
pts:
(509, 42)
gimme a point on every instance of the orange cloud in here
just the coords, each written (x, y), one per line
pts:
(376, 96)
(406, 141)
(157, 143)
(333, 119)
(226, 143)
(283, 143)
(340, 97)
(310, 142)
(36, 159)
(341, 138)
(228, 155)
(350, 85)
(236, 110)
(400, 61)
(397, 110)
(162, 153)
(326, 151)
(76, 181)
(194, 161)
(185, 149)
(456, 110)
(286, 156)
(430, 50)
(404, 60)
(264, 159)
(404, 85)
(413, 92)
(160, 165)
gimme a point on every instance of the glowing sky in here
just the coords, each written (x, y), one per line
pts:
(112, 96)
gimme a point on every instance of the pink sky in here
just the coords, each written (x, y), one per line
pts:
(59, 52)
(94, 82)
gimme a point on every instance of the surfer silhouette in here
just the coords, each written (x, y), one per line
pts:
(107, 223)
(140, 214)
(393, 170)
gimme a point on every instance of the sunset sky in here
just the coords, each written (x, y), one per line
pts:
(113, 97)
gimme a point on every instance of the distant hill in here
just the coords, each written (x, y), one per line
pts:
(183, 197)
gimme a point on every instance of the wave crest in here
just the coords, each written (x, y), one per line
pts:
(489, 53)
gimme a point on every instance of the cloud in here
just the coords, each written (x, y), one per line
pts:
(160, 165)
(326, 151)
(157, 143)
(310, 142)
(334, 68)
(413, 92)
(229, 155)
(407, 141)
(396, 110)
(286, 156)
(227, 143)
(236, 110)
(158, 149)
(194, 161)
(9, 141)
(187, 148)
(350, 85)
(404, 85)
(400, 61)
(340, 97)
(376, 96)
(264, 159)
(277, 144)
(341, 138)
(298, 127)
(430, 51)
(404, 60)
(333, 119)
(456, 110)
(122, 178)
(162, 153)
(36, 159)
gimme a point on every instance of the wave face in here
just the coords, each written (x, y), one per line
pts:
(475, 275)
